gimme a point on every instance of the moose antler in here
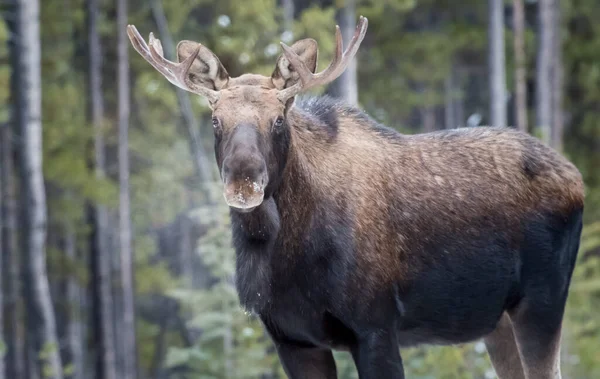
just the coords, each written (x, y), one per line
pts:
(336, 67)
(176, 73)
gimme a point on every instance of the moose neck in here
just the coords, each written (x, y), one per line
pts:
(286, 211)
(310, 137)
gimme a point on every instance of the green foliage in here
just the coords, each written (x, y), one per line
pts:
(448, 362)
(582, 321)
(68, 369)
(44, 355)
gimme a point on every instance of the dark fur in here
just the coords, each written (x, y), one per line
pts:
(326, 110)
(439, 274)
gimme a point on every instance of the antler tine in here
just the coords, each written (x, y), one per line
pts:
(339, 50)
(340, 61)
(176, 73)
(139, 44)
(156, 43)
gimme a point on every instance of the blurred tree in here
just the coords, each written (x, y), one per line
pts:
(40, 313)
(126, 253)
(346, 86)
(2, 338)
(544, 69)
(128, 306)
(199, 156)
(102, 300)
(497, 63)
(556, 134)
(74, 329)
(13, 305)
(520, 65)
(288, 9)
(451, 119)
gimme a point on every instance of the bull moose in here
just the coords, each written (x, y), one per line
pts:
(351, 236)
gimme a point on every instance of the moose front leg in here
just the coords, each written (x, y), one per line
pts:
(300, 362)
(377, 356)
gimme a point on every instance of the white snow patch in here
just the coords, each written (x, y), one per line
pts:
(480, 347)
(287, 36)
(247, 332)
(239, 197)
(224, 21)
(271, 50)
(244, 58)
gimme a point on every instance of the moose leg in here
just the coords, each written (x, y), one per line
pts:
(301, 362)
(537, 331)
(377, 356)
(545, 275)
(502, 349)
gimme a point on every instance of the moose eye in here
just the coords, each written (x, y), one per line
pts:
(215, 122)
(278, 122)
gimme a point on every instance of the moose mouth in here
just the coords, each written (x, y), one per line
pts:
(245, 196)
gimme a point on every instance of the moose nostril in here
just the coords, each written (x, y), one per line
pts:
(263, 176)
(225, 171)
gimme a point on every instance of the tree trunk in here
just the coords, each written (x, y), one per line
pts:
(14, 333)
(449, 103)
(186, 252)
(40, 313)
(520, 65)
(128, 337)
(558, 117)
(544, 69)
(228, 351)
(102, 301)
(496, 63)
(160, 348)
(346, 86)
(428, 118)
(200, 158)
(460, 100)
(288, 15)
(32, 371)
(2, 337)
(74, 330)
(118, 302)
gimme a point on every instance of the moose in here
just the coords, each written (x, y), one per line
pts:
(352, 236)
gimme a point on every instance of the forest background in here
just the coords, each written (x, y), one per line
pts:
(115, 245)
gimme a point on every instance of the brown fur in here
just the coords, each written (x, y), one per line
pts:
(248, 103)
(446, 179)
(391, 204)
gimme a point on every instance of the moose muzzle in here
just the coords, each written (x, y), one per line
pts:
(244, 171)
(246, 194)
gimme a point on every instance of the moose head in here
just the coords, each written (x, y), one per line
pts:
(249, 112)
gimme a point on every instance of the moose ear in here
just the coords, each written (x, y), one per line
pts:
(207, 70)
(285, 75)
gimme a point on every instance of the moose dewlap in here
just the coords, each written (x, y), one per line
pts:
(352, 236)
